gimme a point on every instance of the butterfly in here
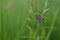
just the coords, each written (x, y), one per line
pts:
(39, 17)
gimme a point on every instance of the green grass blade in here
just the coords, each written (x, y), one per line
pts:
(52, 25)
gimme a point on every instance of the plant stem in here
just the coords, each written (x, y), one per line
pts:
(31, 17)
(52, 25)
(2, 20)
(43, 34)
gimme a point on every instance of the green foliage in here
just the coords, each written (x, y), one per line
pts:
(17, 19)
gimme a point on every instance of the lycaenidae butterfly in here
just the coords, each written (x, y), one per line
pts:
(39, 17)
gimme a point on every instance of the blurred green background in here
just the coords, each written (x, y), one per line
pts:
(13, 15)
